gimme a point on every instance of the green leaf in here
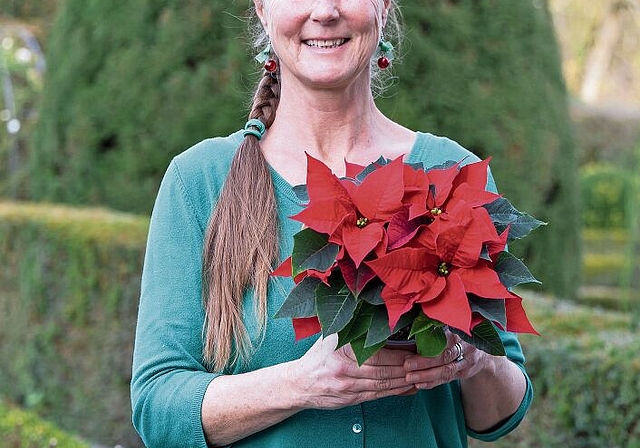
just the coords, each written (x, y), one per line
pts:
(373, 294)
(504, 214)
(301, 193)
(311, 250)
(379, 327)
(301, 301)
(512, 271)
(484, 254)
(358, 325)
(423, 323)
(485, 337)
(363, 353)
(407, 319)
(379, 330)
(444, 165)
(372, 167)
(335, 306)
(431, 341)
(491, 309)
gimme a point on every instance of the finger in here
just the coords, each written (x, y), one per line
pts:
(430, 378)
(382, 384)
(377, 372)
(406, 390)
(448, 355)
(388, 357)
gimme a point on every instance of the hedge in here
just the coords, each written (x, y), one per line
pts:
(68, 301)
(586, 374)
(69, 286)
(21, 429)
(605, 256)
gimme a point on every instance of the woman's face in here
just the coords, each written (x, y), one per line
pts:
(324, 43)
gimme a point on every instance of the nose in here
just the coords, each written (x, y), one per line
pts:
(325, 11)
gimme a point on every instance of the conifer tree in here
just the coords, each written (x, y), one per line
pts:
(131, 84)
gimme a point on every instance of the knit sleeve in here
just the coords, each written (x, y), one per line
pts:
(514, 353)
(169, 380)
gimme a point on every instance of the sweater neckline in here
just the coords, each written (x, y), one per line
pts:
(286, 190)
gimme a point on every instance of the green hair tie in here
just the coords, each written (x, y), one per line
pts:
(254, 127)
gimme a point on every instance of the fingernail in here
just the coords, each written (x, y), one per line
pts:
(412, 366)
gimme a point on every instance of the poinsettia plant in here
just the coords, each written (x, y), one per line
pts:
(394, 248)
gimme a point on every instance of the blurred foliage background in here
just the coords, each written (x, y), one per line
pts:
(97, 97)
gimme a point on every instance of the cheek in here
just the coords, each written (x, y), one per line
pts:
(283, 21)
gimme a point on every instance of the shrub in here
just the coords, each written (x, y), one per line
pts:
(119, 105)
(68, 302)
(605, 190)
(20, 429)
(585, 372)
(129, 85)
(590, 387)
(69, 286)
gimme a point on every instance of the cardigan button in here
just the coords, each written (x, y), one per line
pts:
(357, 428)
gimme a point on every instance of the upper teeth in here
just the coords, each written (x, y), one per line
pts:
(328, 43)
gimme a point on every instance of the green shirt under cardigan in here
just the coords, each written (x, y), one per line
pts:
(169, 379)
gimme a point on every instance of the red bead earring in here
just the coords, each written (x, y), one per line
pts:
(265, 57)
(271, 65)
(383, 62)
(384, 54)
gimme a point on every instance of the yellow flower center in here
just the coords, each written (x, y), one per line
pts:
(362, 222)
(443, 269)
(436, 211)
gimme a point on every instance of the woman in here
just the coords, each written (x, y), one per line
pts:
(228, 374)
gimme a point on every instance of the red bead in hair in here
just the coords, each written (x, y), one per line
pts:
(383, 62)
(271, 66)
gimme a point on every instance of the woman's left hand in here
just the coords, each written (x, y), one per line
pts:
(458, 361)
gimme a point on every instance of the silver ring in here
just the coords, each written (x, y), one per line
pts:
(460, 356)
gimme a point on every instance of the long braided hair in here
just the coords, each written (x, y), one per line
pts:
(241, 242)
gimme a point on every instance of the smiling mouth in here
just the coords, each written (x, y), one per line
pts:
(325, 43)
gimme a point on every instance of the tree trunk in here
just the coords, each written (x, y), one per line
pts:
(600, 56)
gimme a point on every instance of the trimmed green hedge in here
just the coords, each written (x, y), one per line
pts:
(21, 429)
(69, 286)
(586, 374)
(605, 264)
(605, 192)
(68, 301)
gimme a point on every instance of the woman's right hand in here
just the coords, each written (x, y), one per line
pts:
(331, 379)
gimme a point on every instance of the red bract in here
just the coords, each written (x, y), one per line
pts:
(286, 270)
(352, 214)
(425, 242)
(517, 320)
(441, 267)
(432, 192)
(306, 326)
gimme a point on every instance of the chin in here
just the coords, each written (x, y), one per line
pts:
(332, 79)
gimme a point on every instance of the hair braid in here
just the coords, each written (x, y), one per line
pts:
(241, 243)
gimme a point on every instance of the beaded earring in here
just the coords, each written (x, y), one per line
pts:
(265, 58)
(384, 53)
